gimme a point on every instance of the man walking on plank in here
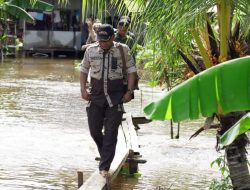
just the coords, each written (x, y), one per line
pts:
(103, 61)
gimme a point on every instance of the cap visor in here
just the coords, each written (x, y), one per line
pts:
(103, 38)
(124, 23)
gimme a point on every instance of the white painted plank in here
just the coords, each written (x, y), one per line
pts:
(96, 181)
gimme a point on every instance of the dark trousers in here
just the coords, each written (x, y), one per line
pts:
(109, 118)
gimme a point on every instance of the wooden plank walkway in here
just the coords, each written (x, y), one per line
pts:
(127, 141)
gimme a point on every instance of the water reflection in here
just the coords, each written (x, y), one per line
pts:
(45, 139)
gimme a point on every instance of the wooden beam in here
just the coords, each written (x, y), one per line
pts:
(140, 120)
(131, 133)
(80, 178)
(96, 181)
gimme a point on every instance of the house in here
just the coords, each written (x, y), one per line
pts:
(54, 33)
(60, 32)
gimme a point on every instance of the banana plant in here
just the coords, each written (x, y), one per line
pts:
(215, 36)
(17, 8)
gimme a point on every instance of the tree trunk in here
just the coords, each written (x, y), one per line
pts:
(236, 154)
(237, 164)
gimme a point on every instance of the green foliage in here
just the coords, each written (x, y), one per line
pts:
(125, 171)
(3, 37)
(63, 2)
(16, 8)
(157, 70)
(35, 4)
(242, 126)
(224, 183)
(168, 27)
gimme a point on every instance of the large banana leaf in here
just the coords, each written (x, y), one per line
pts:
(37, 5)
(18, 12)
(221, 89)
(242, 126)
(17, 8)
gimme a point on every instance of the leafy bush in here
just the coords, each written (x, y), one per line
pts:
(224, 183)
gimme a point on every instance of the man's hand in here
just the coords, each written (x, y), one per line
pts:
(85, 94)
(127, 97)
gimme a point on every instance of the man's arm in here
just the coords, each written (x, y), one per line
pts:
(84, 70)
(83, 82)
(131, 81)
(131, 77)
(131, 74)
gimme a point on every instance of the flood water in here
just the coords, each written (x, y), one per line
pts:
(44, 137)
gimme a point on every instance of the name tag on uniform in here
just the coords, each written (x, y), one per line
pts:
(96, 58)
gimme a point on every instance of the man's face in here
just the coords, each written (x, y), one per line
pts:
(122, 29)
(106, 45)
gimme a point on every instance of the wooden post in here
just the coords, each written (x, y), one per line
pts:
(171, 129)
(178, 131)
(133, 166)
(80, 178)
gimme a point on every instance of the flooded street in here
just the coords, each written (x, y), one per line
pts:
(44, 137)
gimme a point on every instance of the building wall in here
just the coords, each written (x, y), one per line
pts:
(58, 29)
(51, 39)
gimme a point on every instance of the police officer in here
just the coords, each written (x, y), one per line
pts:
(123, 35)
(103, 61)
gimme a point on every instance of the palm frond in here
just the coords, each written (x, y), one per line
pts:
(236, 31)
(27, 4)
(189, 62)
(207, 61)
(213, 42)
(95, 8)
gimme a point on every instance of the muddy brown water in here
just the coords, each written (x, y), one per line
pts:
(45, 139)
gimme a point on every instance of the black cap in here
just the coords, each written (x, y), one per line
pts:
(124, 21)
(105, 32)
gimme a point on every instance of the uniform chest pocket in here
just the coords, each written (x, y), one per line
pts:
(96, 68)
(115, 71)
